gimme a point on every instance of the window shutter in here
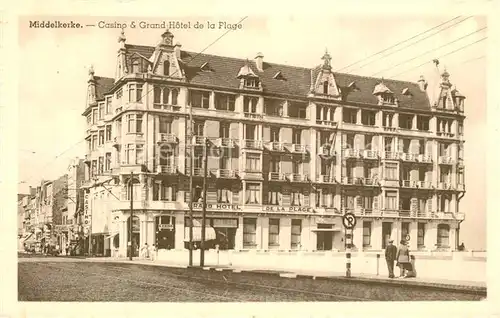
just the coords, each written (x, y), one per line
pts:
(429, 205)
(307, 198)
(359, 201)
(375, 203)
(400, 145)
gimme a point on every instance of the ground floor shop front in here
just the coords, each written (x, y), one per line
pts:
(169, 230)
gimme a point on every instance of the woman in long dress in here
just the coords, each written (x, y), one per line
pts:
(403, 258)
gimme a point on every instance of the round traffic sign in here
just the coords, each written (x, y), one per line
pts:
(349, 220)
(407, 237)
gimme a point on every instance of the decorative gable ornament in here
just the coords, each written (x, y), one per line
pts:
(246, 71)
(91, 88)
(381, 88)
(248, 78)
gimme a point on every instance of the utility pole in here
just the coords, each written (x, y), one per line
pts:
(131, 185)
(204, 209)
(191, 158)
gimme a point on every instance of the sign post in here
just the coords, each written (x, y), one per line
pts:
(349, 222)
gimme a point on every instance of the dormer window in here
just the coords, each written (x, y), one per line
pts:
(388, 98)
(279, 76)
(252, 82)
(166, 68)
(325, 87)
(205, 67)
(406, 92)
(136, 66)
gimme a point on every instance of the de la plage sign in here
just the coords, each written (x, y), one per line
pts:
(265, 208)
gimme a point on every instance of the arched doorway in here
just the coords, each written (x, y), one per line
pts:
(135, 239)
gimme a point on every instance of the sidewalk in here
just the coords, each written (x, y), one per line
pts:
(458, 285)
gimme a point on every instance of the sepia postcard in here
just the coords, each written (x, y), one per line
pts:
(211, 164)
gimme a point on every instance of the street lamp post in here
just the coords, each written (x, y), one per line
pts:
(131, 186)
(204, 208)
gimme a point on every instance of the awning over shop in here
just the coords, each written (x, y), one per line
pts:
(209, 234)
(110, 236)
(326, 230)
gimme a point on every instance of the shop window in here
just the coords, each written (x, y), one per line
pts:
(296, 234)
(274, 232)
(249, 233)
(367, 233)
(443, 235)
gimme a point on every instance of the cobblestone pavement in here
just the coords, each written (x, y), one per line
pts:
(69, 279)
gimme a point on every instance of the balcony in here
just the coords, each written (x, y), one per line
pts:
(370, 154)
(461, 187)
(166, 138)
(276, 176)
(389, 155)
(424, 185)
(408, 156)
(254, 116)
(423, 158)
(226, 143)
(352, 153)
(199, 140)
(370, 182)
(409, 184)
(326, 179)
(167, 107)
(297, 177)
(446, 160)
(275, 146)
(252, 144)
(224, 173)
(251, 175)
(367, 212)
(352, 181)
(445, 186)
(329, 123)
(297, 148)
(166, 169)
(326, 151)
(197, 172)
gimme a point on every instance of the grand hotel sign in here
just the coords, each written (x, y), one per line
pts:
(218, 206)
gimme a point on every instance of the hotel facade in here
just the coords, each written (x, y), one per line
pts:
(290, 150)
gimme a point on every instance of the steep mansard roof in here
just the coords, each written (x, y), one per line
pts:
(223, 72)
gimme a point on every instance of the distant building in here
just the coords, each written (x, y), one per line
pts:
(291, 150)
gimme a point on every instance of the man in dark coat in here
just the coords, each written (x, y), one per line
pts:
(390, 257)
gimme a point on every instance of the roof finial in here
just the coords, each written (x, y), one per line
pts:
(326, 60)
(91, 72)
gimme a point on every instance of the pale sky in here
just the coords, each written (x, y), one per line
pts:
(55, 64)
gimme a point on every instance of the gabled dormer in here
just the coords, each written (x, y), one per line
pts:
(91, 89)
(139, 63)
(248, 78)
(384, 94)
(324, 83)
(165, 58)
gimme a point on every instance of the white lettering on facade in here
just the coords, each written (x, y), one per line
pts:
(218, 206)
(272, 208)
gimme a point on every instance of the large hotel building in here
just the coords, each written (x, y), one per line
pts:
(290, 150)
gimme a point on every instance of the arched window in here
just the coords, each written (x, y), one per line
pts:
(116, 241)
(166, 92)
(166, 68)
(135, 66)
(175, 94)
(325, 87)
(443, 235)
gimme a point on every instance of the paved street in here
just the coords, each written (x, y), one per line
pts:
(73, 279)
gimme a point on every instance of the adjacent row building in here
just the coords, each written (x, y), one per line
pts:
(290, 150)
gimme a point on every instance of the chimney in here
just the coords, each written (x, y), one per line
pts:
(177, 50)
(422, 83)
(259, 62)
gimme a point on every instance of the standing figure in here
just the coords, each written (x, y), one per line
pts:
(390, 257)
(403, 257)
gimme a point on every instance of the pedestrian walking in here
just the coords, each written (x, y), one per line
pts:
(390, 257)
(145, 251)
(152, 252)
(403, 258)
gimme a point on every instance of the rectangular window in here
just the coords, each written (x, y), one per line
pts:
(224, 194)
(274, 196)
(224, 130)
(273, 107)
(297, 136)
(297, 110)
(165, 125)
(134, 123)
(249, 233)
(139, 154)
(100, 168)
(405, 229)
(296, 233)
(391, 171)
(443, 235)
(274, 233)
(163, 191)
(101, 111)
(297, 197)
(157, 95)
(420, 235)
(253, 163)
(108, 161)
(387, 119)
(129, 152)
(94, 116)
(101, 137)
(135, 93)
(108, 105)
(460, 128)
(252, 193)
(405, 121)
(423, 123)
(108, 132)
(224, 102)
(390, 200)
(250, 104)
(251, 82)
(200, 99)
(368, 117)
(275, 134)
(367, 234)
(198, 128)
(350, 115)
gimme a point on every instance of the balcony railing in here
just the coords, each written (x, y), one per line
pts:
(445, 186)
(226, 142)
(276, 176)
(447, 160)
(424, 184)
(352, 181)
(326, 122)
(253, 116)
(408, 156)
(166, 169)
(199, 140)
(197, 172)
(352, 153)
(275, 146)
(326, 151)
(326, 179)
(252, 144)
(370, 154)
(370, 181)
(225, 173)
(390, 155)
(167, 138)
(424, 158)
(297, 148)
(167, 107)
(298, 177)
(409, 183)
